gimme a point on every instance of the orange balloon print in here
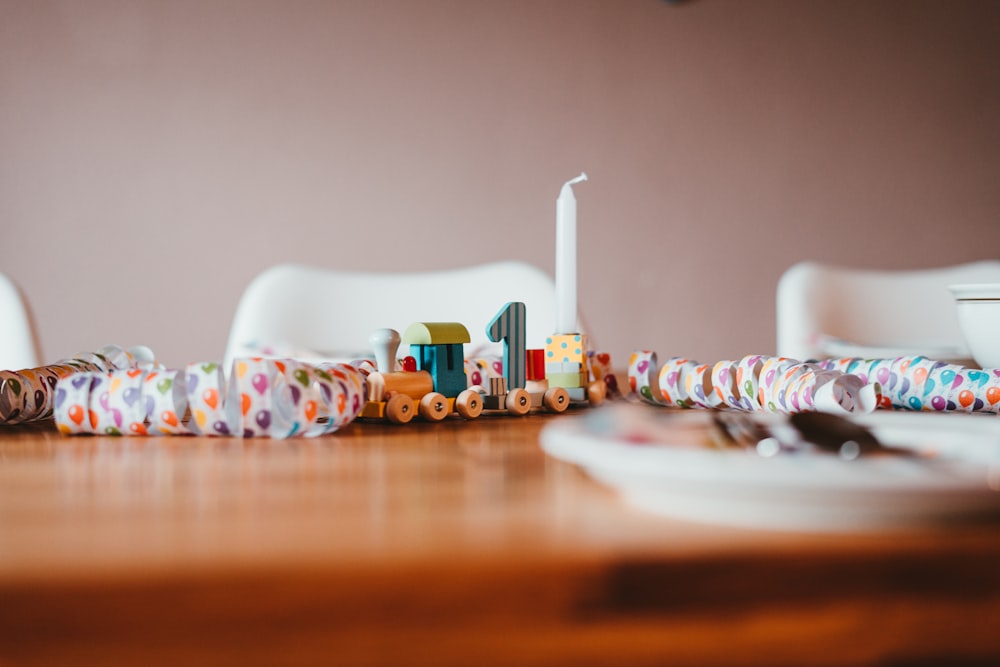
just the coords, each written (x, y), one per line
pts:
(920, 375)
(310, 410)
(76, 414)
(169, 417)
(965, 398)
(211, 398)
(341, 403)
(245, 403)
(93, 420)
(993, 395)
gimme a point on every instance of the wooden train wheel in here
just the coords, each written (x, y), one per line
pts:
(518, 402)
(556, 399)
(597, 391)
(433, 407)
(469, 404)
(399, 409)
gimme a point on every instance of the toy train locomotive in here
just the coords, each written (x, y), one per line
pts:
(433, 382)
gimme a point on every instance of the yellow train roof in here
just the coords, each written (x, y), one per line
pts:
(436, 333)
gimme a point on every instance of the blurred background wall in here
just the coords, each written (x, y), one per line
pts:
(155, 155)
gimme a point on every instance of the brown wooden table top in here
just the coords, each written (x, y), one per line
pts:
(455, 543)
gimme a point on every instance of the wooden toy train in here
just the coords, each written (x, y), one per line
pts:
(433, 382)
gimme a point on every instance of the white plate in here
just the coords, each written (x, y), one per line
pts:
(680, 476)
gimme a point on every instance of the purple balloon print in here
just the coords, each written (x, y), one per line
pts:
(259, 383)
(130, 396)
(120, 402)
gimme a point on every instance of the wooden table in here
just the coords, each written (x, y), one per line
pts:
(459, 543)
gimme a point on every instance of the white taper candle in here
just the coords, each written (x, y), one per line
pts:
(566, 258)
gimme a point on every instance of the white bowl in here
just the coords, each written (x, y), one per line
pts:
(978, 307)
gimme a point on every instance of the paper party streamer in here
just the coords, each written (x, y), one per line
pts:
(919, 383)
(778, 384)
(26, 395)
(276, 398)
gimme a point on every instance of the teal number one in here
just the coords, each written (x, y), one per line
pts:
(508, 326)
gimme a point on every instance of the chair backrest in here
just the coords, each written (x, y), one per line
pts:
(332, 313)
(830, 311)
(17, 335)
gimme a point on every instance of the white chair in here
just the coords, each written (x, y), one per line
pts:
(316, 313)
(833, 311)
(17, 335)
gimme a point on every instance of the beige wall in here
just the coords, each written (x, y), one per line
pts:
(154, 156)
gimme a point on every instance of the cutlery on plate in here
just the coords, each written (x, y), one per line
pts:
(798, 432)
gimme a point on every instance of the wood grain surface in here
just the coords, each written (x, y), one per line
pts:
(458, 543)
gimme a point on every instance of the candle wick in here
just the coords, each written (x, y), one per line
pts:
(582, 177)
